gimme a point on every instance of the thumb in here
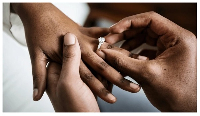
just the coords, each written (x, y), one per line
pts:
(134, 68)
(71, 57)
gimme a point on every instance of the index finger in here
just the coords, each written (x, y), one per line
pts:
(157, 23)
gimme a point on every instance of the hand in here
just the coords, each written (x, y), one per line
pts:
(45, 27)
(170, 80)
(65, 88)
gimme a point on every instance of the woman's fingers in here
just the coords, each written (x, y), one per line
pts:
(39, 62)
(106, 71)
(95, 85)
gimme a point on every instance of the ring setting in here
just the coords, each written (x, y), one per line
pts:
(101, 41)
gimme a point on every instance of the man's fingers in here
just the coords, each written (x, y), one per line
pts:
(71, 58)
(95, 85)
(39, 76)
(157, 23)
(114, 38)
(123, 51)
(134, 68)
(135, 21)
(134, 42)
(106, 71)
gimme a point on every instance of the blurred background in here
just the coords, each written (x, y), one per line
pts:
(17, 76)
(183, 14)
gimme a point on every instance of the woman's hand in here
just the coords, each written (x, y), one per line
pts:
(65, 88)
(170, 80)
(45, 27)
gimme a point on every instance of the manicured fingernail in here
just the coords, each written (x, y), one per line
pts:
(142, 57)
(134, 86)
(35, 92)
(101, 54)
(69, 39)
(111, 97)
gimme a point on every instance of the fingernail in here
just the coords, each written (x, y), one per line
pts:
(101, 54)
(69, 39)
(142, 57)
(35, 92)
(134, 86)
(111, 97)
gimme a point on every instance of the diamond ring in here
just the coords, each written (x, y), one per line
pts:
(101, 40)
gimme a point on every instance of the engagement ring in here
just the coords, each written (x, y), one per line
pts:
(101, 40)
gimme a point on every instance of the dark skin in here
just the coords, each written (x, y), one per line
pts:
(170, 80)
(66, 90)
(45, 26)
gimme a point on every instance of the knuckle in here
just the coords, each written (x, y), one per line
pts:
(151, 69)
(68, 55)
(110, 46)
(152, 15)
(38, 78)
(190, 36)
(89, 55)
(122, 80)
(102, 66)
(87, 77)
(118, 62)
(103, 91)
(152, 12)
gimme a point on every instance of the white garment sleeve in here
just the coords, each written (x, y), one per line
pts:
(12, 25)
(6, 15)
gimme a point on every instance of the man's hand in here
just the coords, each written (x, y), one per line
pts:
(45, 27)
(65, 88)
(170, 80)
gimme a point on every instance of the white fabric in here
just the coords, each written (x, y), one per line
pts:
(6, 15)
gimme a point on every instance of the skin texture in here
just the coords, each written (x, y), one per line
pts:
(170, 80)
(66, 90)
(45, 27)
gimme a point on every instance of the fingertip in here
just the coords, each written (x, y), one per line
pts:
(135, 87)
(115, 29)
(69, 39)
(113, 38)
(112, 98)
(37, 95)
(71, 48)
(101, 54)
(143, 58)
(39, 77)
